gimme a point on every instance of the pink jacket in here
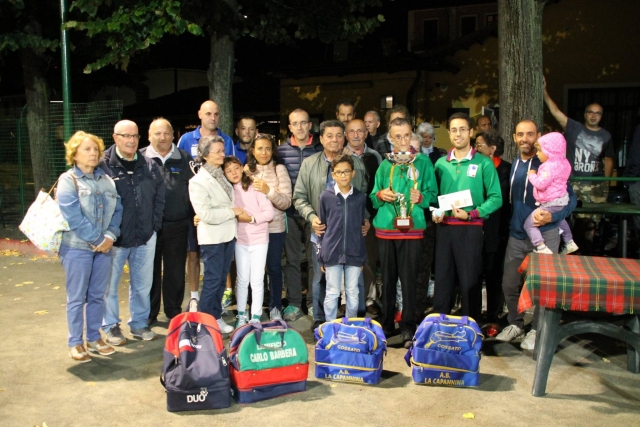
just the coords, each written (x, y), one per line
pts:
(550, 182)
(277, 178)
(258, 206)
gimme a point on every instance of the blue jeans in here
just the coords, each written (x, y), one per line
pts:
(87, 276)
(140, 260)
(274, 268)
(217, 261)
(334, 275)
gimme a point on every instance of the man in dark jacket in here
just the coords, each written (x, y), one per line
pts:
(171, 240)
(300, 145)
(141, 188)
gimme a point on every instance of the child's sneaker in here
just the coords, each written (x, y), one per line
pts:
(242, 320)
(291, 313)
(543, 250)
(275, 314)
(255, 318)
(227, 298)
(569, 248)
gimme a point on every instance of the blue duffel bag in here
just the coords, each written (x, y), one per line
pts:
(350, 350)
(446, 351)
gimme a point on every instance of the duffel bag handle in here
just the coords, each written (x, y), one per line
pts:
(258, 335)
(366, 320)
(464, 320)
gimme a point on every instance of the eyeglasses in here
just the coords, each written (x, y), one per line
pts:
(264, 136)
(342, 173)
(128, 135)
(302, 123)
(399, 138)
(358, 131)
(595, 113)
(455, 131)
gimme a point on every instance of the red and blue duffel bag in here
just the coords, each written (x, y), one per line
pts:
(268, 359)
(195, 370)
(446, 351)
(350, 350)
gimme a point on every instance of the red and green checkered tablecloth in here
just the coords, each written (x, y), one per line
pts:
(581, 283)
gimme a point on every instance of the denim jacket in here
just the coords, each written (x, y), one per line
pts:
(93, 211)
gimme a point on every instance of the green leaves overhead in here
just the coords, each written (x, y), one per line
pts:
(124, 27)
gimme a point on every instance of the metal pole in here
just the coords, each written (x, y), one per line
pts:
(66, 83)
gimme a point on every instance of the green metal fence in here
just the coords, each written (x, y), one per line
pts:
(16, 174)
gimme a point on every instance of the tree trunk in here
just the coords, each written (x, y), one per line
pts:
(37, 93)
(220, 76)
(520, 55)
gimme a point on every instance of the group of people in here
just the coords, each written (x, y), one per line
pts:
(209, 199)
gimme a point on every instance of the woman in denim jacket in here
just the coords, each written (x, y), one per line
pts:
(90, 203)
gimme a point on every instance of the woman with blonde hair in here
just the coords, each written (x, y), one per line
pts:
(90, 203)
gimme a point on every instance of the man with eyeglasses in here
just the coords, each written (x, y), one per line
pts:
(590, 152)
(404, 187)
(356, 135)
(459, 234)
(141, 189)
(299, 146)
(314, 177)
(209, 115)
(246, 131)
(171, 241)
(385, 143)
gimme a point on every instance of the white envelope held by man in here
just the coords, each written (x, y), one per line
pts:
(459, 199)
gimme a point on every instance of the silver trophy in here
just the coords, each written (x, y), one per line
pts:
(402, 203)
(403, 221)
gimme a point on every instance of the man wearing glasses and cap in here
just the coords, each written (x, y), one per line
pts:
(590, 152)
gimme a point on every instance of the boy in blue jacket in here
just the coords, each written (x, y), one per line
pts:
(342, 250)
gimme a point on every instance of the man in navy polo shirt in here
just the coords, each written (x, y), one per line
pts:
(209, 115)
(246, 131)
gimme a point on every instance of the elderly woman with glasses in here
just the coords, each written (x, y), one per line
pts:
(212, 199)
(496, 229)
(90, 203)
(271, 178)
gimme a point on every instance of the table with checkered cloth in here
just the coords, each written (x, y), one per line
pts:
(560, 283)
(581, 283)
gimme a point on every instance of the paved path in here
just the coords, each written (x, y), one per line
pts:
(39, 383)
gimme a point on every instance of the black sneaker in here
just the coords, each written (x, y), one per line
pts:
(407, 339)
(315, 325)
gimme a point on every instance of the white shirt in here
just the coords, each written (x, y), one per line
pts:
(151, 153)
(337, 190)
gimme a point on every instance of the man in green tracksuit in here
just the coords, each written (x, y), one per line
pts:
(400, 248)
(459, 236)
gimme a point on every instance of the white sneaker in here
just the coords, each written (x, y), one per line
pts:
(510, 333)
(311, 312)
(224, 328)
(242, 320)
(529, 342)
(543, 250)
(569, 248)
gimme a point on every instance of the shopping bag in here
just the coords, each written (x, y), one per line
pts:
(43, 224)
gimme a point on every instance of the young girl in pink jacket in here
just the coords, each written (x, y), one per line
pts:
(253, 240)
(550, 189)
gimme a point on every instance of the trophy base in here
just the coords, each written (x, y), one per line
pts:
(403, 224)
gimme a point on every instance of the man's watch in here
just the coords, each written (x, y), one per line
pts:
(253, 220)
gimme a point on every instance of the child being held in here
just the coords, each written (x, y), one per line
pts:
(342, 248)
(253, 240)
(550, 189)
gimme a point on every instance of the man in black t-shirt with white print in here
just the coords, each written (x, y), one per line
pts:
(590, 152)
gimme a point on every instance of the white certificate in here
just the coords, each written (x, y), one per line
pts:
(459, 199)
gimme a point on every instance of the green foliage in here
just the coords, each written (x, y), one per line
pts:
(121, 28)
(22, 29)
(124, 27)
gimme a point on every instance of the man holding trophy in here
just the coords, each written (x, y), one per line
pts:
(469, 191)
(405, 185)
